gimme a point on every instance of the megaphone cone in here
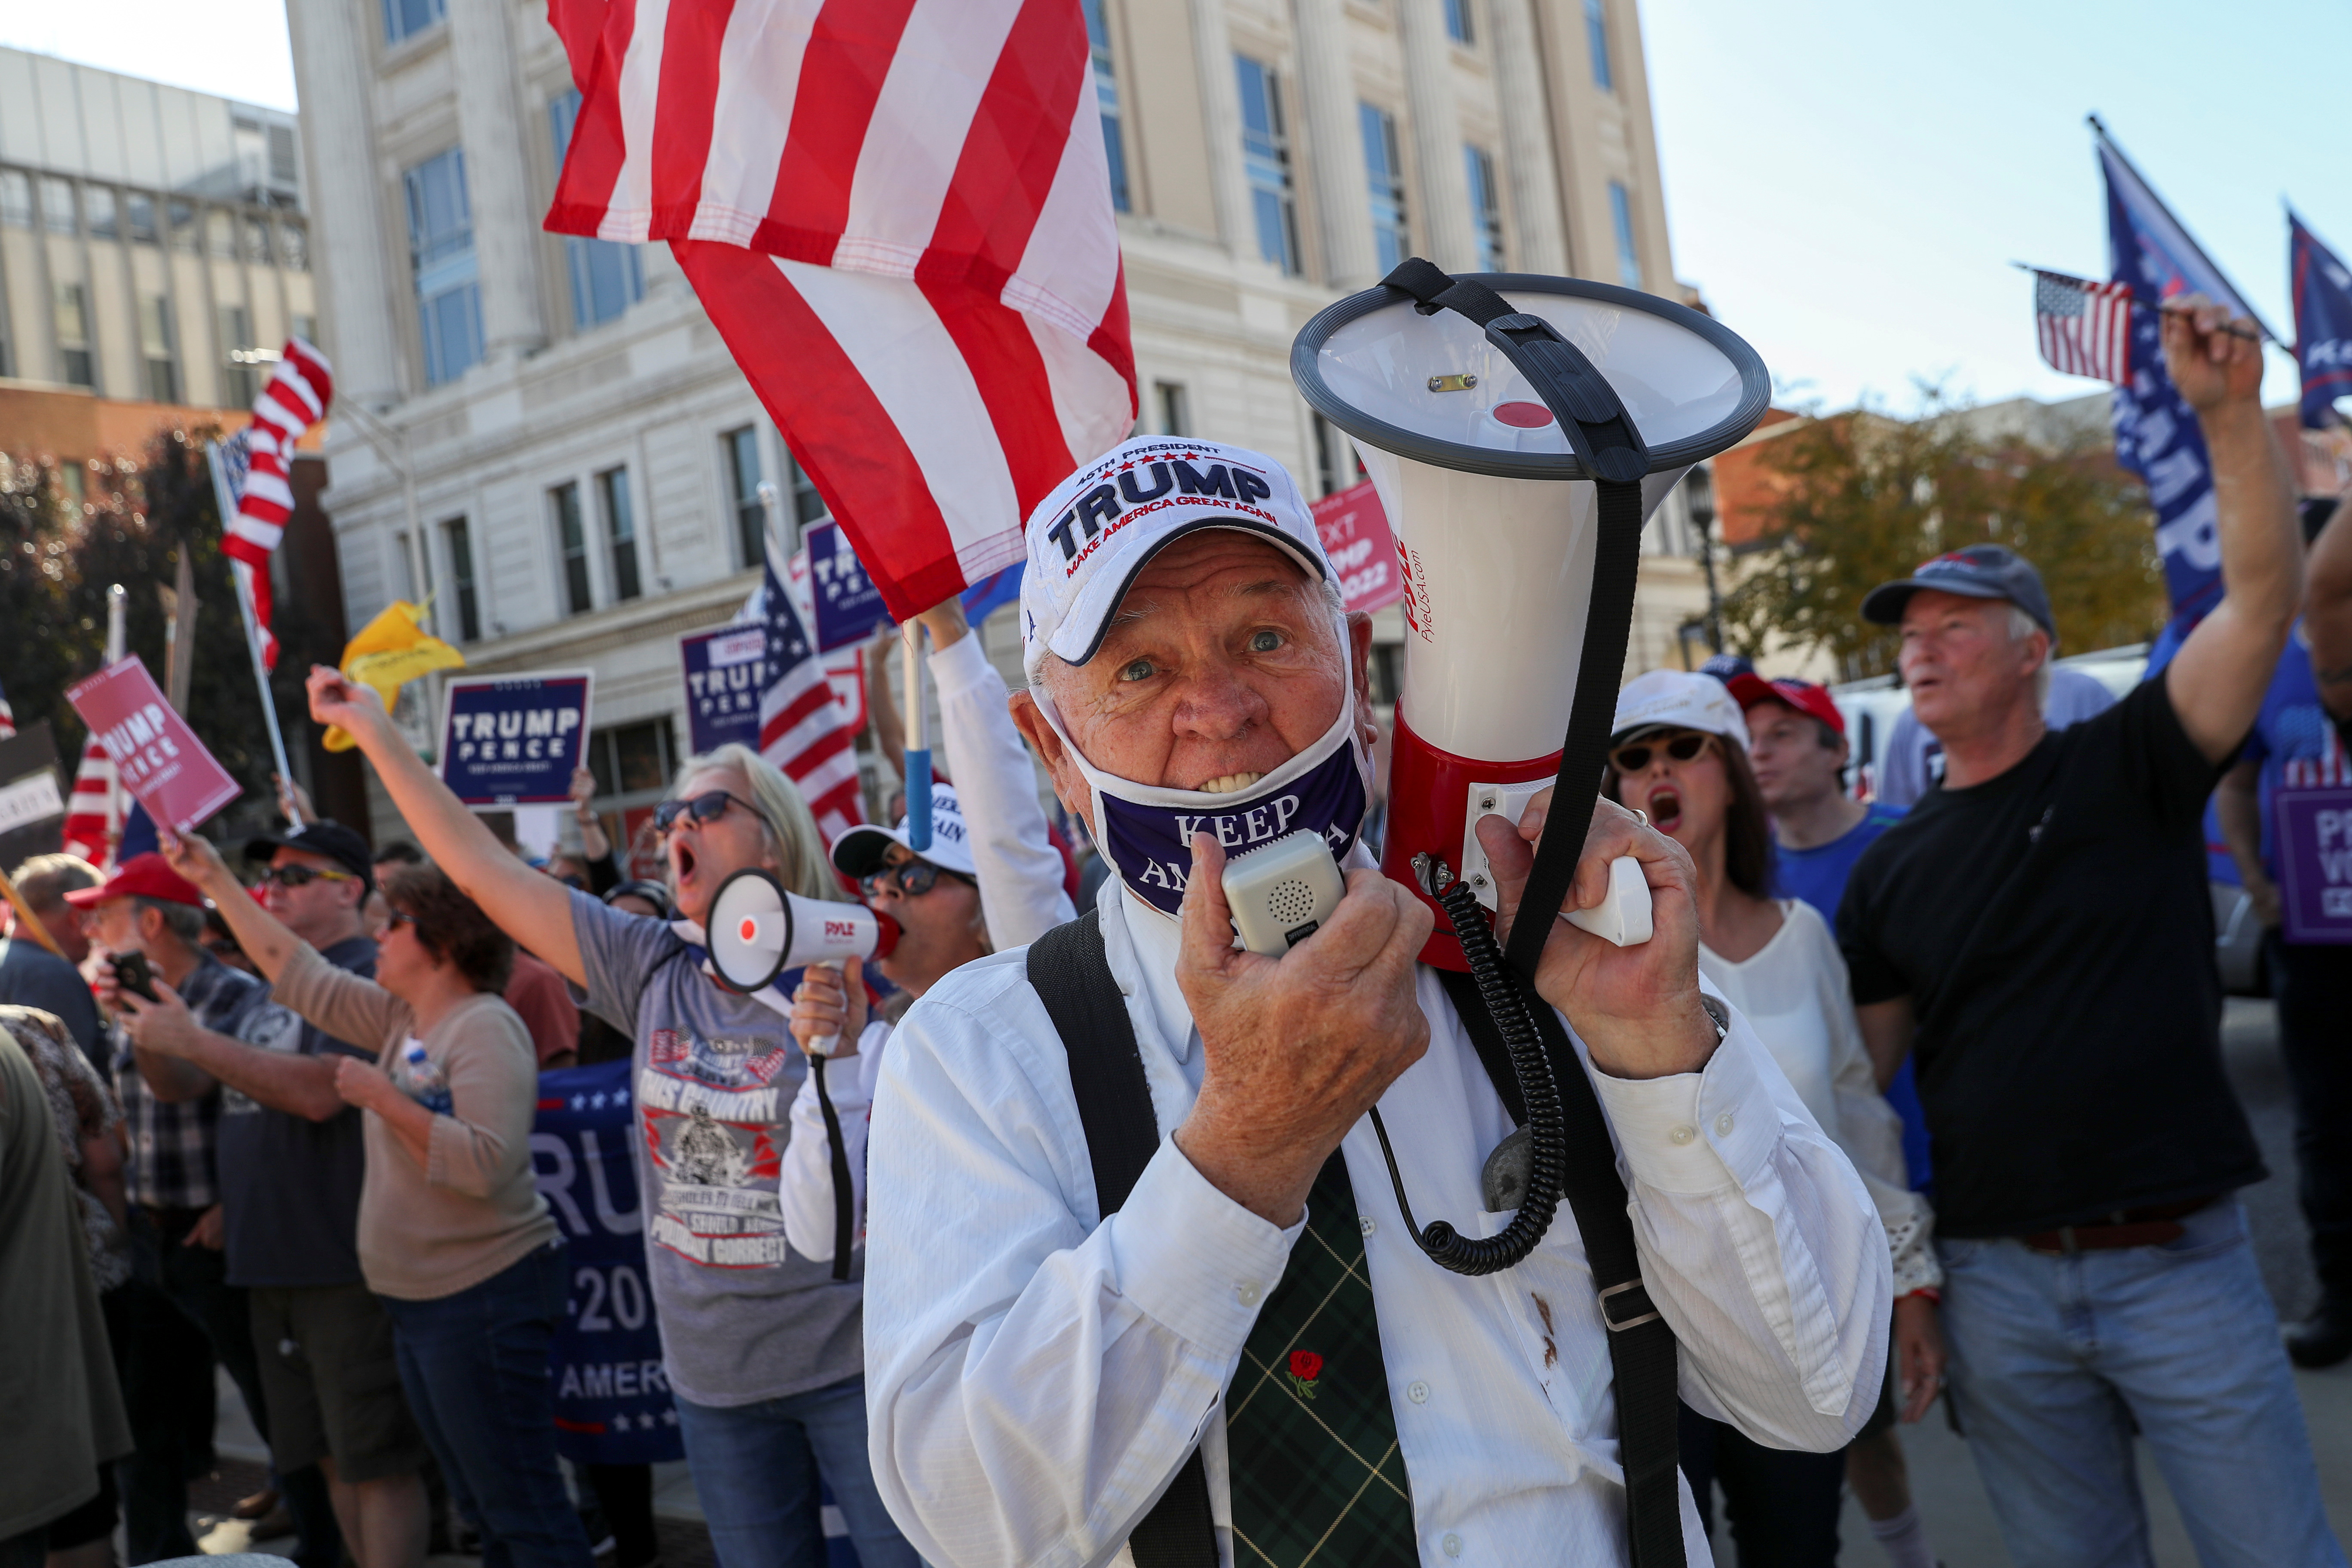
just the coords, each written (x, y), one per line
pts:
(1475, 468)
(757, 930)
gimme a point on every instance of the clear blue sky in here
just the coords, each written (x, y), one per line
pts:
(1846, 181)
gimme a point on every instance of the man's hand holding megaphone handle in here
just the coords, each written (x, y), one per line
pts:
(830, 1001)
(1636, 1008)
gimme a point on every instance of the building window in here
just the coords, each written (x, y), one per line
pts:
(1106, 101)
(72, 313)
(620, 532)
(441, 252)
(58, 205)
(1392, 239)
(237, 357)
(1457, 21)
(294, 246)
(155, 346)
(455, 537)
(258, 248)
(407, 568)
(808, 506)
(1485, 207)
(1266, 155)
(281, 154)
(306, 329)
(1596, 39)
(1336, 466)
(1175, 416)
(98, 211)
(406, 18)
(185, 236)
(220, 235)
(16, 199)
(740, 450)
(572, 544)
(606, 278)
(139, 214)
(1628, 254)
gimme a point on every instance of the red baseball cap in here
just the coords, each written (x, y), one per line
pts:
(1813, 701)
(147, 876)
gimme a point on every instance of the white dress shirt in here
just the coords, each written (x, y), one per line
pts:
(1796, 995)
(1036, 1375)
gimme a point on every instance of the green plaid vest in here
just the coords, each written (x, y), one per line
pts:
(1311, 1440)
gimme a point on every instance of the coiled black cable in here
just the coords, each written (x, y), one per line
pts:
(1504, 993)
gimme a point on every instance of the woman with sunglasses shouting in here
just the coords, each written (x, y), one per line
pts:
(1679, 753)
(761, 1346)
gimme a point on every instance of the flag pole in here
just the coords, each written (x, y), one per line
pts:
(227, 505)
(30, 921)
(918, 744)
(2106, 141)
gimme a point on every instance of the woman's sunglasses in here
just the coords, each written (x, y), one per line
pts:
(399, 917)
(302, 875)
(708, 807)
(914, 879)
(1683, 748)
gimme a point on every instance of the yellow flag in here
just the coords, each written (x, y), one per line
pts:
(389, 652)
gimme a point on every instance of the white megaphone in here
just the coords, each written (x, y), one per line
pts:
(757, 930)
(1483, 421)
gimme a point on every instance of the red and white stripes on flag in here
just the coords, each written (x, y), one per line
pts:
(897, 214)
(90, 825)
(295, 399)
(2084, 327)
(800, 724)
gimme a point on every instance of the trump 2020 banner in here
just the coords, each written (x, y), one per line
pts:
(849, 607)
(726, 670)
(513, 740)
(613, 1402)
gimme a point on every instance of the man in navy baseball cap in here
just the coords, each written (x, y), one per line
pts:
(1975, 572)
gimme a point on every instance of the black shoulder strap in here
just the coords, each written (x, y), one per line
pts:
(1072, 976)
(1642, 1354)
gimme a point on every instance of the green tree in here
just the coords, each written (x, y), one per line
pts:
(1864, 498)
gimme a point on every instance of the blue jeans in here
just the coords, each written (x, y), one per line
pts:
(475, 1366)
(2054, 1359)
(756, 1467)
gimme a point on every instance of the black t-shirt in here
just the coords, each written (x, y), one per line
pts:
(291, 1185)
(2054, 933)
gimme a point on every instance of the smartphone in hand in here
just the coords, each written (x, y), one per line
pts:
(132, 973)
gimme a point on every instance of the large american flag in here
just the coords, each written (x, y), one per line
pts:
(91, 822)
(897, 214)
(256, 461)
(802, 730)
(2084, 327)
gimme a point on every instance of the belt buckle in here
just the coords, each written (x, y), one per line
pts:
(1615, 1327)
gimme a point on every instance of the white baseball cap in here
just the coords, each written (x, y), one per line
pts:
(1094, 532)
(1681, 699)
(859, 851)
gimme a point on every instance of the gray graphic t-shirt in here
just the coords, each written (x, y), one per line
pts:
(743, 1317)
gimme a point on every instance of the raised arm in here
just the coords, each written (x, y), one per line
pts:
(2217, 680)
(535, 911)
(2328, 610)
(264, 937)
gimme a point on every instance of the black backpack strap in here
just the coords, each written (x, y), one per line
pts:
(1642, 1354)
(1071, 975)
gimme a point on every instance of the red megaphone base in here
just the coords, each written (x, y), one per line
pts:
(1430, 793)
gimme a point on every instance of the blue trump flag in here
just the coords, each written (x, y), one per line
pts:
(2323, 323)
(2157, 435)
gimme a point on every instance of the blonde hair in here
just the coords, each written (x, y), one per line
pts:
(784, 818)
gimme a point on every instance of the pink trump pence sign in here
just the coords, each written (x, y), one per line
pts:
(1356, 537)
(155, 754)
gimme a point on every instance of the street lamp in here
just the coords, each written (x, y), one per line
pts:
(1699, 494)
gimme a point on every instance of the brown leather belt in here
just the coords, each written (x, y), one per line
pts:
(2151, 1226)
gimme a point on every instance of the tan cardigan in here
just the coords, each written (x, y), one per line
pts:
(474, 1208)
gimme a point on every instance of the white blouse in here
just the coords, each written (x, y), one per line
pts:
(1796, 994)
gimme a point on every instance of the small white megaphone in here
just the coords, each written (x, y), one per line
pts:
(1456, 396)
(757, 930)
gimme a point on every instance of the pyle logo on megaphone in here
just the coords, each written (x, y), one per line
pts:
(758, 930)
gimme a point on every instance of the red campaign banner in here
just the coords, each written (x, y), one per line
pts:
(1355, 536)
(156, 755)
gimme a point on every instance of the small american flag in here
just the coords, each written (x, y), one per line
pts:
(801, 725)
(92, 812)
(255, 464)
(2083, 327)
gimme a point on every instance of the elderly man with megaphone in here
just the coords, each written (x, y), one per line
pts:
(1147, 1281)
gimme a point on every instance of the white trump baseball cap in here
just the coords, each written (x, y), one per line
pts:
(859, 851)
(1681, 698)
(1102, 525)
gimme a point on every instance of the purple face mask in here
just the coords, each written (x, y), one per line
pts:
(1147, 831)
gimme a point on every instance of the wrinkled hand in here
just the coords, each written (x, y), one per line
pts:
(1920, 1355)
(195, 857)
(830, 1002)
(211, 1230)
(164, 1026)
(2211, 358)
(1636, 1008)
(1298, 1047)
(361, 1083)
(353, 705)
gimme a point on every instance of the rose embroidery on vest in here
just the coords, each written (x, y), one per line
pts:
(1306, 1366)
